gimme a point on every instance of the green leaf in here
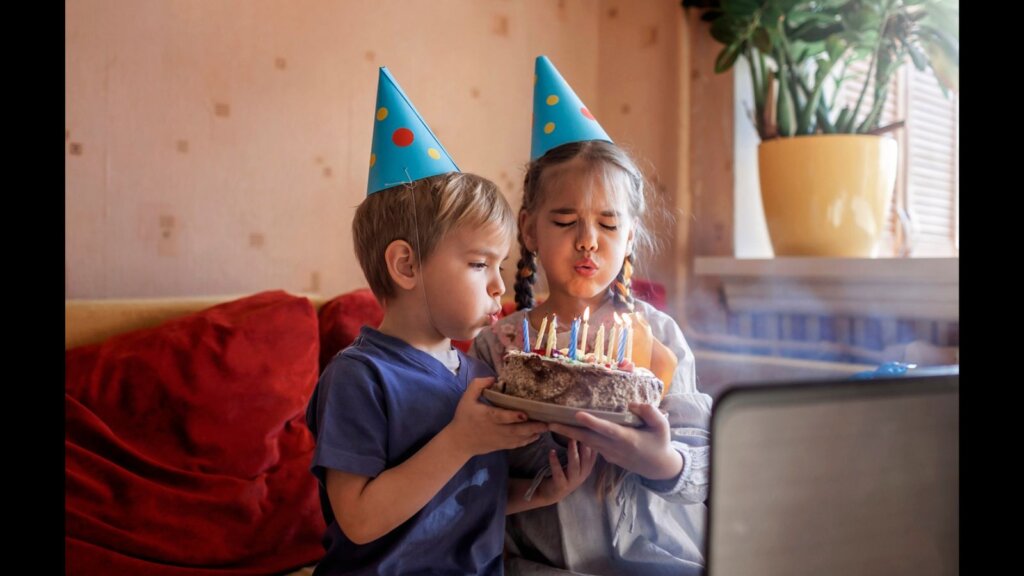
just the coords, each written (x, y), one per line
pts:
(785, 114)
(727, 57)
(944, 16)
(940, 40)
(726, 30)
(785, 6)
(834, 47)
(918, 57)
(815, 31)
(946, 70)
(762, 40)
(843, 122)
(742, 8)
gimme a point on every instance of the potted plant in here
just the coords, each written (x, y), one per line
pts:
(826, 172)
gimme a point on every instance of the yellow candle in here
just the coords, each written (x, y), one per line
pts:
(629, 337)
(613, 338)
(586, 326)
(551, 336)
(540, 333)
(599, 344)
(642, 342)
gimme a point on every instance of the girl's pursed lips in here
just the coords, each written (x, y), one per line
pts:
(586, 263)
(585, 268)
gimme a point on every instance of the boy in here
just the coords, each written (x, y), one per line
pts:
(412, 477)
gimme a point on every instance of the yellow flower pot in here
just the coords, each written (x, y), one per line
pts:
(827, 195)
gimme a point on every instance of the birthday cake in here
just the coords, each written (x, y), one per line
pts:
(583, 383)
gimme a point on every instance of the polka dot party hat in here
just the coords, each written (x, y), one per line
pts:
(404, 149)
(559, 116)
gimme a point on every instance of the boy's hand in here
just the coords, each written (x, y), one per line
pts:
(646, 451)
(478, 428)
(564, 481)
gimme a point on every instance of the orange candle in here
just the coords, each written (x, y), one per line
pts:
(663, 364)
(642, 341)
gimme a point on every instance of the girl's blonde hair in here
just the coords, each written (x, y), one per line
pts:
(596, 155)
(423, 213)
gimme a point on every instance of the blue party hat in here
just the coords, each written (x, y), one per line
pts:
(559, 116)
(404, 149)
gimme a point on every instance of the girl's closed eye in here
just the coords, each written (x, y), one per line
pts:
(611, 227)
(478, 265)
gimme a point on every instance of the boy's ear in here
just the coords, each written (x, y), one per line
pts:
(528, 227)
(401, 262)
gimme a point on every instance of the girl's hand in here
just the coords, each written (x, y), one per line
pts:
(564, 481)
(645, 451)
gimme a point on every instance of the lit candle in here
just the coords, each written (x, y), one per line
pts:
(540, 333)
(629, 337)
(574, 326)
(526, 334)
(599, 344)
(551, 336)
(586, 326)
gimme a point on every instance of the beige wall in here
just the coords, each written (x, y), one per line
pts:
(221, 146)
(639, 86)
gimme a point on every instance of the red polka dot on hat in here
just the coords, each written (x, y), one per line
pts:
(402, 137)
(585, 112)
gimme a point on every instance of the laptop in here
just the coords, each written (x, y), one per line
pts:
(836, 478)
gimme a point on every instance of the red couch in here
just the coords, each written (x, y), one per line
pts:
(186, 450)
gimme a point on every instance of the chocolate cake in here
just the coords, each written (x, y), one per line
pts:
(577, 384)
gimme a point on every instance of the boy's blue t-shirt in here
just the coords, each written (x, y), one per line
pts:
(377, 403)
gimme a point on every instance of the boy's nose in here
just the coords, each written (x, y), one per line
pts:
(497, 286)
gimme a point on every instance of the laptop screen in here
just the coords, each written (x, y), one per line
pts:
(851, 477)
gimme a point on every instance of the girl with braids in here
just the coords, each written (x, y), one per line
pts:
(582, 224)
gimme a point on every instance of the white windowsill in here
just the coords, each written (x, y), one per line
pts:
(901, 287)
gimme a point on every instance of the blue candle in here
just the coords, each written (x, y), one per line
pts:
(572, 338)
(622, 345)
(526, 335)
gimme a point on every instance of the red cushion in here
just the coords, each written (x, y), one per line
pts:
(651, 292)
(508, 308)
(186, 449)
(342, 317)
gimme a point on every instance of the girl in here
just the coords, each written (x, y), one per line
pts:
(642, 510)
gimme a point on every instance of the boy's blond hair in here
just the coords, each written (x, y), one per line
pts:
(423, 213)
